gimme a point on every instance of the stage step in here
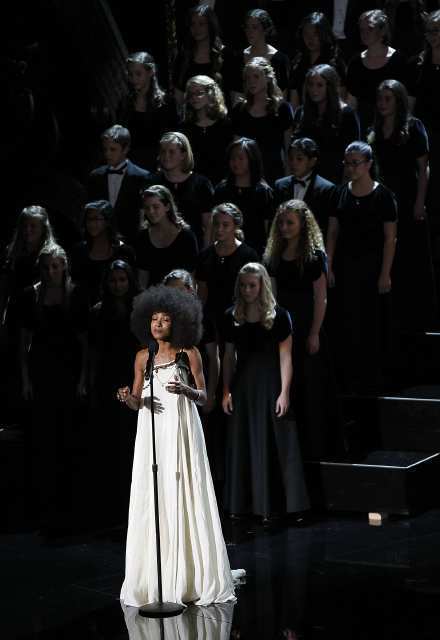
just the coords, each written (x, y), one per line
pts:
(387, 482)
(410, 420)
(417, 358)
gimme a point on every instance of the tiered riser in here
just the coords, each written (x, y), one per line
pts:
(394, 482)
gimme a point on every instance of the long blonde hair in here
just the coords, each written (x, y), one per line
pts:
(311, 240)
(266, 301)
(216, 103)
(274, 93)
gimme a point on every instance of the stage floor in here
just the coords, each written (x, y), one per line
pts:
(337, 577)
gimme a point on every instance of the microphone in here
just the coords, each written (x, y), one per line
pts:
(153, 348)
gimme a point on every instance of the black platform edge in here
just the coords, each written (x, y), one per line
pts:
(371, 485)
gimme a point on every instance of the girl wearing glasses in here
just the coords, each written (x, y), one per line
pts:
(361, 243)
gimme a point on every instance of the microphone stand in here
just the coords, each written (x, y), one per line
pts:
(159, 609)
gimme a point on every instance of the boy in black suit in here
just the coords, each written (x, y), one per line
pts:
(119, 181)
(304, 184)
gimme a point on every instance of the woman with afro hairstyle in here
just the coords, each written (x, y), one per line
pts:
(295, 258)
(195, 565)
(264, 475)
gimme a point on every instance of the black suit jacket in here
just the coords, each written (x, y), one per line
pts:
(320, 197)
(129, 201)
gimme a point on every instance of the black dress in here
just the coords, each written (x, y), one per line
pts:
(363, 340)
(363, 82)
(88, 273)
(427, 108)
(268, 131)
(332, 140)
(180, 254)
(193, 196)
(412, 269)
(146, 129)
(314, 390)
(279, 63)
(264, 473)
(256, 203)
(301, 66)
(219, 274)
(183, 71)
(112, 428)
(209, 146)
(54, 367)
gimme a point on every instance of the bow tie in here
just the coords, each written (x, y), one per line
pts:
(302, 183)
(119, 171)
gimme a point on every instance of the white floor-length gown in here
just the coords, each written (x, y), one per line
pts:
(195, 564)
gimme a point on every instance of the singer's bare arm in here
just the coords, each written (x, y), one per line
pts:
(133, 399)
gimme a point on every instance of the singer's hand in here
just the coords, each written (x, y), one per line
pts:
(177, 386)
(123, 393)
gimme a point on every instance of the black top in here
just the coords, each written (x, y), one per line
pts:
(209, 146)
(268, 131)
(301, 65)
(332, 140)
(397, 162)
(257, 206)
(114, 345)
(54, 356)
(220, 273)
(88, 273)
(295, 287)
(251, 337)
(363, 82)
(180, 254)
(279, 62)
(146, 128)
(361, 221)
(292, 279)
(427, 94)
(193, 196)
(182, 75)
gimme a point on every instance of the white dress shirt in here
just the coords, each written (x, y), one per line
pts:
(299, 189)
(114, 181)
(339, 13)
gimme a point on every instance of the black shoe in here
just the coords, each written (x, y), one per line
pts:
(299, 519)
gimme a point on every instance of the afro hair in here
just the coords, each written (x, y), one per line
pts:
(183, 307)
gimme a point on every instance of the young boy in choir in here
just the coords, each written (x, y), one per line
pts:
(119, 181)
(304, 183)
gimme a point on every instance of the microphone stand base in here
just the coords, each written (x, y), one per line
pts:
(161, 610)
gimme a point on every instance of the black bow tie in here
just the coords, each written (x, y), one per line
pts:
(119, 171)
(302, 183)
